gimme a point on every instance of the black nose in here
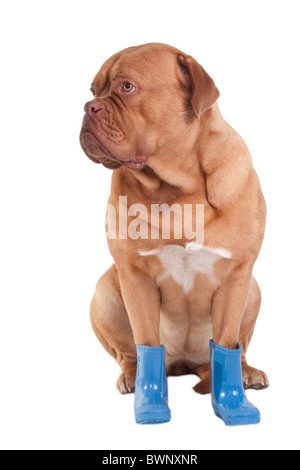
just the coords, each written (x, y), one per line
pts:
(92, 107)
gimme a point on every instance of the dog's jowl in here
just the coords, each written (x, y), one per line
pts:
(185, 224)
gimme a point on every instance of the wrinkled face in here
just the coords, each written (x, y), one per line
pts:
(142, 102)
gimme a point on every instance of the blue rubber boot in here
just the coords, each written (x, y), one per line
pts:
(151, 387)
(228, 396)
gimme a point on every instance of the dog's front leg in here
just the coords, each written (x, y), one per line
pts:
(141, 296)
(142, 300)
(228, 397)
(229, 305)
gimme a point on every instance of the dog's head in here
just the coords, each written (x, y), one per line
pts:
(145, 97)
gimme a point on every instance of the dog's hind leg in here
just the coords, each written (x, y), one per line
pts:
(111, 325)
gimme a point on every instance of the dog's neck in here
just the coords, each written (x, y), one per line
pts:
(182, 173)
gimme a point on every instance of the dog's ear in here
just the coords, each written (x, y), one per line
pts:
(192, 76)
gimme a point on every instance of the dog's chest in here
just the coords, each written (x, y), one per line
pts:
(183, 264)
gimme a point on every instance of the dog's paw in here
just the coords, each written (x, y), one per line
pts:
(126, 382)
(254, 378)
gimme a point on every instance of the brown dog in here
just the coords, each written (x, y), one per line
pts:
(154, 120)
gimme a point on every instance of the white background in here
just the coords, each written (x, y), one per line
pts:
(57, 383)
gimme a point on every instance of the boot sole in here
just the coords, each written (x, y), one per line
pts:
(153, 415)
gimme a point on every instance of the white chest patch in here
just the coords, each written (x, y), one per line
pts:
(184, 263)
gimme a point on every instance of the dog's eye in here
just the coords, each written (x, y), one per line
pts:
(127, 87)
(93, 91)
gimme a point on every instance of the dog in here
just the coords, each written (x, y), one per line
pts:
(155, 121)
